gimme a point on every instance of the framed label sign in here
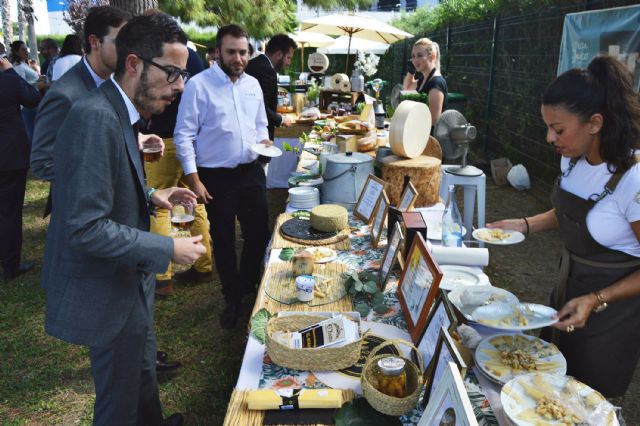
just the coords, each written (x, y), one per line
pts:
(379, 219)
(441, 315)
(446, 352)
(394, 245)
(418, 286)
(369, 199)
(408, 198)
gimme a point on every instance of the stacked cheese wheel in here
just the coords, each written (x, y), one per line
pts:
(329, 218)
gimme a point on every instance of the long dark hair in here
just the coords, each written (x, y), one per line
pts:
(604, 87)
(72, 45)
(14, 47)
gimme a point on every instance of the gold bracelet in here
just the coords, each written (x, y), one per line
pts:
(602, 305)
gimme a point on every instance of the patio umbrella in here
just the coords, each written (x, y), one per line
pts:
(350, 24)
(340, 46)
(309, 39)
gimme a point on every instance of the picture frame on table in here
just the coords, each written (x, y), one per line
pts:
(446, 351)
(441, 315)
(418, 286)
(449, 403)
(379, 219)
(394, 247)
(369, 198)
(408, 198)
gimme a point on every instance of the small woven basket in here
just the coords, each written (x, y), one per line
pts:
(382, 402)
(317, 359)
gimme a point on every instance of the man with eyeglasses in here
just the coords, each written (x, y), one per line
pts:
(220, 117)
(167, 173)
(100, 259)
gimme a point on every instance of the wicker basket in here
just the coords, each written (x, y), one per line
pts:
(382, 402)
(319, 359)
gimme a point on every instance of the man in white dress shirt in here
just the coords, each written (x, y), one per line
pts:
(221, 115)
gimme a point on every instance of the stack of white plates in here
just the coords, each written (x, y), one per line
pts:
(304, 197)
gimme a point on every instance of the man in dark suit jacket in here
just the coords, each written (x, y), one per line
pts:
(265, 69)
(100, 257)
(14, 163)
(100, 31)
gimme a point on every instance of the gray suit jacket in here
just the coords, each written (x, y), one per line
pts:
(98, 249)
(72, 86)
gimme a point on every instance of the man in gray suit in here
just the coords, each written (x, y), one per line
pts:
(100, 259)
(100, 31)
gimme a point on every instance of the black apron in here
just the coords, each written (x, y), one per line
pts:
(604, 353)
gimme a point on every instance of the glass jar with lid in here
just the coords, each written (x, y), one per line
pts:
(391, 376)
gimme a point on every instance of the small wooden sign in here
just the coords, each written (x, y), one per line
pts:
(379, 220)
(446, 352)
(418, 286)
(394, 245)
(369, 198)
(408, 198)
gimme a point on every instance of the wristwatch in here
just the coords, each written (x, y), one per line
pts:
(602, 305)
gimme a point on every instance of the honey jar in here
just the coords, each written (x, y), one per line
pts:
(391, 377)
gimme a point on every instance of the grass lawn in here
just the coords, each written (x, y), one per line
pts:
(45, 381)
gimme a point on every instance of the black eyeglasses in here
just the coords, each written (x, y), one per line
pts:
(172, 72)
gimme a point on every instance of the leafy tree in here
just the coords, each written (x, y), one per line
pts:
(135, 7)
(77, 11)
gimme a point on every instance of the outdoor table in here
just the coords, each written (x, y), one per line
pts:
(257, 372)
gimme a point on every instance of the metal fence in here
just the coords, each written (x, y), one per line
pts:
(503, 65)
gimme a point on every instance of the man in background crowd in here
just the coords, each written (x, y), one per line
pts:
(265, 69)
(221, 115)
(14, 164)
(49, 50)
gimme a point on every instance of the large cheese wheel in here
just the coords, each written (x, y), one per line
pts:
(341, 83)
(424, 172)
(410, 128)
(329, 218)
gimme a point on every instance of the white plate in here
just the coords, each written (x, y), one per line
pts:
(267, 151)
(455, 276)
(543, 352)
(434, 229)
(329, 255)
(501, 316)
(496, 294)
(516, 400)
(515, 237)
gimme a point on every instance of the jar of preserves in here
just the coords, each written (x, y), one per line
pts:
(391, 376)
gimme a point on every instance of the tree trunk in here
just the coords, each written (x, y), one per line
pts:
(7, 29)
(21, 21)
(135, 7)
(31, 29)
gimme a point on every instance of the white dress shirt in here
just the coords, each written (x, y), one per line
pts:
(218, 121)
(96, 78)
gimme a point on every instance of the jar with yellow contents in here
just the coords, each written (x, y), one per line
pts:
(391, 377)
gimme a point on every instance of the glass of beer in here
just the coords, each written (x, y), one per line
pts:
(151, 151)
(182, 217)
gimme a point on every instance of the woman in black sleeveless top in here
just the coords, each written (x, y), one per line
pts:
(425, 57)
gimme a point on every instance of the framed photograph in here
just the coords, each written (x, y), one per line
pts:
(441, 315)
(418, 286)
(394, 245)
(446, 352)
(369, 199)
(408, 198)
(379, 219)
(449, 403)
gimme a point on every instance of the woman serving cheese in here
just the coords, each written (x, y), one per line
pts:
(593, 121)
(425, 56)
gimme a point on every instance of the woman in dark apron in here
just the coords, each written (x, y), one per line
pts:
(593, 116)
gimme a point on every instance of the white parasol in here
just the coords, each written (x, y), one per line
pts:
(350, 24)
(310, 39)
(341, 46)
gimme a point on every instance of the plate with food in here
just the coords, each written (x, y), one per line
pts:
(322, 254)
(505, 356)
(515, 316)
(354, 127)
(498, 236)
(467, 299)
(536, 399)
(455, 276)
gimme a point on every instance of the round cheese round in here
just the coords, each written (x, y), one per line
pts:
(410, 128)
(329, 218)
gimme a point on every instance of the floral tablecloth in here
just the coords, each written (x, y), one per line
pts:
(363, 256)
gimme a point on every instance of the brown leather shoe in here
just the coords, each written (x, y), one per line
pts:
(164, 288)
